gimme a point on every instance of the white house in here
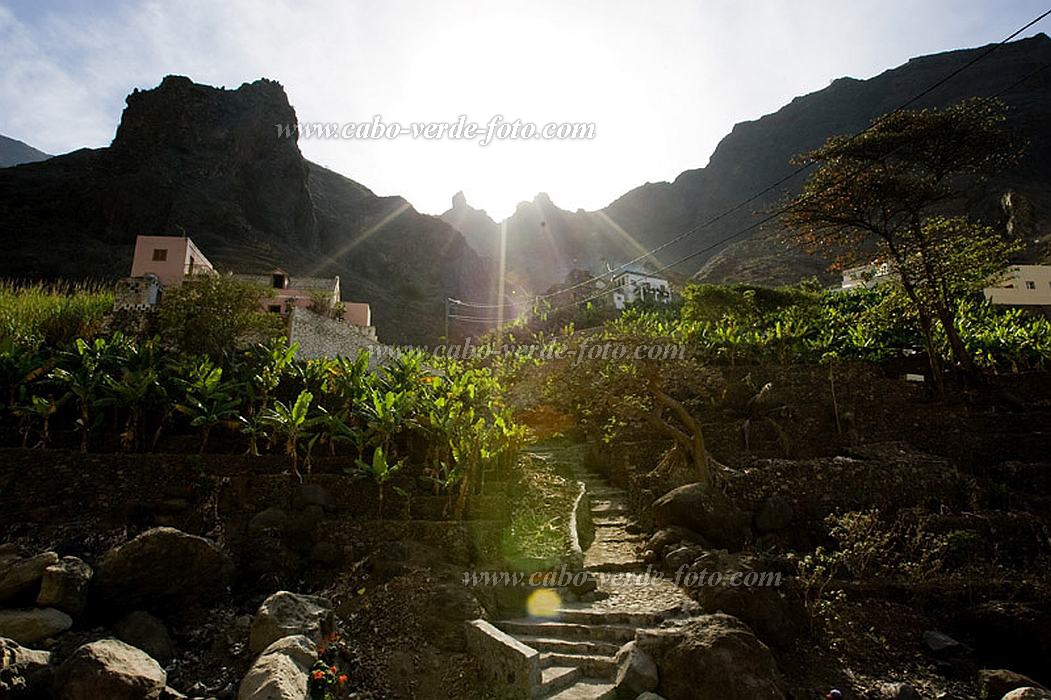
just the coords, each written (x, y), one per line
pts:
(867, 276)
(1022, 285)
(638, 286)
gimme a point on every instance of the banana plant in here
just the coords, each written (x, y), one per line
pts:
(292, 422)
(37, 408)
(208, 401)
(380, 471)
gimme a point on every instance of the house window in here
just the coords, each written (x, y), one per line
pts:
(274, 308)
(279, 281)
(1029, 284)
(160, 254)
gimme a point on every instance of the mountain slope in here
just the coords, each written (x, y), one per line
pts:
(14, 152)
(206, 162)
(756, 154)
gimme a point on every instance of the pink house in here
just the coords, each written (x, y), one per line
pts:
(165, 261)
(169, 258)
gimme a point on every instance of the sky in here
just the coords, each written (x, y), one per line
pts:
(662, 81)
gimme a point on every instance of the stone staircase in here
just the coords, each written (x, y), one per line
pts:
(578, 646)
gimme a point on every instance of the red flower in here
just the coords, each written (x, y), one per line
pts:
(318, 675)
(343, 678)
(332, 669)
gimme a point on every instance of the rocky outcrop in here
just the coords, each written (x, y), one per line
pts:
(286, 614)
(29, 625)
(712, 656)
(1028, 694)
(64, 585)
(704, 511)
(280, 672)
(162, 568)
(190, 159)
(544, 241)
(109, 669)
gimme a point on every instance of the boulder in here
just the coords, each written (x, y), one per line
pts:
(28, 625)
(144, 631)
(672, 536)
(1028, 694)
(162, 568)
(280, 672)
(636, 671)
(65, 585)
(712, 656)
(22, 670)
(20, 577)
(773, 607)
(109, 669)
(286, 614)
(648, 696)
(682, 557)
(705, 511)
(994, 683)
(582, 585)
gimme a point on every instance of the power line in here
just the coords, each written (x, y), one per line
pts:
(797, 171)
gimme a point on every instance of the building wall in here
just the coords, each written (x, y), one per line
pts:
(1024, 285)
(357, 314)
(181, 257)
(319, 336)
(633, 287)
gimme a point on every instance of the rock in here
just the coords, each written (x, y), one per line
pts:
(326, 554)
(162, 568)
(636, 670)
(649, 696)
(22, 670)
(673, 535)
(705, 511)
(1028, 694)
(280, 672)
(109, 669)
(28, 625)
(1009, 635)
(270, 519)
(993, 684)
(144, 631)
(19, 577)
(682, 557)
(712, 656)
(65, 585)
(773, 607)
(284, 614)
(774, 514)
(898, 691)
(943, 646)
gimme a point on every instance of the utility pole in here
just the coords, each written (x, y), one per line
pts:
(446, 319)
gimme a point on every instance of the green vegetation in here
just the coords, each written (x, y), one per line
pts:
(52, 313)
(438, 415)
(882, 194)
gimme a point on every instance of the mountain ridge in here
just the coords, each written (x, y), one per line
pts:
(14, 152)
(755, 154)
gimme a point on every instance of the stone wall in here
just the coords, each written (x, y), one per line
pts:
(319, 336)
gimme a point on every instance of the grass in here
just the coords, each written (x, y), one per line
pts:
(52, 313)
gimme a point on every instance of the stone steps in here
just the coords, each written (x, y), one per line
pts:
(590, 665)
(570, 646)
(568, 630)
(555, 678)
(586, 690)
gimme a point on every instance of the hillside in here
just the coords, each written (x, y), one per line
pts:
(15, 152)
(545, 242)
(206, 162)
